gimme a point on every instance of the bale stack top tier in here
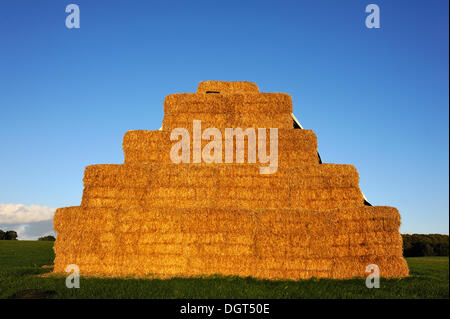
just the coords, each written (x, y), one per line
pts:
(222, 87)
(228, 104)
(151, 217)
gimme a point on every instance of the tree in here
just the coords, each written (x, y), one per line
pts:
(11, 235)
(2, 235)
(423, 249)
(417, 245)
(47, 238)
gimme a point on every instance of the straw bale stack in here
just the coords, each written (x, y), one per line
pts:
(151, 217)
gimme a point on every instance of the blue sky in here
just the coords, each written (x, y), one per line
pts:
(376, 98)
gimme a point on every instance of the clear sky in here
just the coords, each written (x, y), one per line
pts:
(376, 98)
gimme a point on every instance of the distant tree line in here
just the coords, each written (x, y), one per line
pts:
(417, 245)
(12, 235)
(8, 235)
(47, 238)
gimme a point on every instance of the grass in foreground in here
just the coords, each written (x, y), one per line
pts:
(21, 262)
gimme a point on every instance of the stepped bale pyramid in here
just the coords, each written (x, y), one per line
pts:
(152, 217)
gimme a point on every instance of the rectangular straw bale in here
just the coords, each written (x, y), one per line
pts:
(232, 120)
(369, 212)
(168, 238)
(117, 175)
(288, 216)
(60, 263)
(263, 103)
(282, 274)
(295, 140)
(264, 120)
(268, 103)
(244, 193)
(84, 219)
(232, 203)
(390, 267)
(307, 264)
(131, 193)
(65, 247)
(111, 203)
(152, 249)
(391, 238)
(283, 251)
(134, 155)
(326, 193)
(66, 216)
(357, 251)
(149, 140)
(225, 249)
(375, 250)
(162, 260)
(223, 262)
(375, 225)
(180, 103)
(146, 146)
(325, 204)
(227, 87)
(179, 192)
(192, 238)
(185, 120)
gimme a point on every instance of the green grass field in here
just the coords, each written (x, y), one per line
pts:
(21, 264)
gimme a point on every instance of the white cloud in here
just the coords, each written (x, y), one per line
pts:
(29, 221)
(23, 214)
(31, 231)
